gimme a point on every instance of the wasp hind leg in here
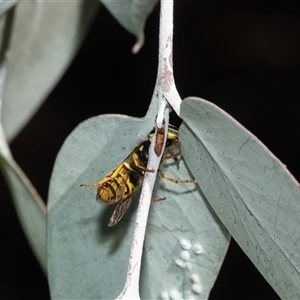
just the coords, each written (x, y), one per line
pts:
(161, 173)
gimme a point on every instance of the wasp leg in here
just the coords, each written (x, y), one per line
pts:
(89, 185)
(129, 168)
(97, 183)
(161, 173)
(175, 155)
(145, 169)
(158, 199)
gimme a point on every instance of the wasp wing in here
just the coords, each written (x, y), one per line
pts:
(119, 211)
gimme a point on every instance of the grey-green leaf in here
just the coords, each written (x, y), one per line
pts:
(6, 5)
(30, 208)
(185, 243)
(45, 37)
(131, 15)
(253, 194)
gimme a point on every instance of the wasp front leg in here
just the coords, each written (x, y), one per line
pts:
(158, 199)
(174, 156)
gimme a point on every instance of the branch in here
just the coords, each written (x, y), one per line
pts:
(131, 288)
(165, 78)
(165, 91)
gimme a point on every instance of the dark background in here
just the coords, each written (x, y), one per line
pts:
(241, 55)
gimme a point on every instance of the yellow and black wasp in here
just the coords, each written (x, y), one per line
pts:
(119, 185)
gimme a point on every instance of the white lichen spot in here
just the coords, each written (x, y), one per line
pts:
(175, 294)
(197, 248)
(165, 295)
(185, 255)
(180, 263)
(185, 244)
(196, 288)
(194, 278)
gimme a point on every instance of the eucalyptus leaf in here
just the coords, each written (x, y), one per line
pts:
(45, 38)
(185, 243)
(6, 5)
(251, 191)
(30, 208)
(131, 15)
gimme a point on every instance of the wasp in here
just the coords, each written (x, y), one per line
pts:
(119, 185)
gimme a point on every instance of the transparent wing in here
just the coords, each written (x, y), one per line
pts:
(119, 211)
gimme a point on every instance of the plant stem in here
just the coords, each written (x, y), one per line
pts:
(164, 90)
(165, 75)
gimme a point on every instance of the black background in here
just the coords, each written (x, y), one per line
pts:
(241, 55)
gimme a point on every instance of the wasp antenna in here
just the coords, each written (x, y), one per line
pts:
(89, 185)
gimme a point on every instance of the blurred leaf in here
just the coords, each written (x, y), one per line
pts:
(131, 15)
(253, 194)
(88, 260)
(6, 5)
(45, 38)
(30, 207)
